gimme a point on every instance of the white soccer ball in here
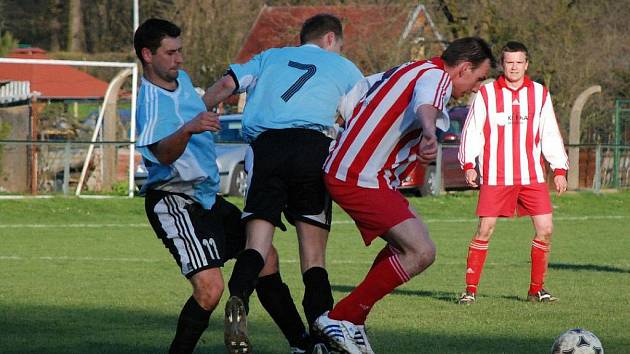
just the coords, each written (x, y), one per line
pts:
(577, 341)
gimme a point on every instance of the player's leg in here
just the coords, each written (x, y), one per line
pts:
(272, 292)
(541, 245)
(534, 201)
(377, 212)
(251, 261)
(477, 251)
(266, 198)
(317, 290)
(264, 203)
(494, 202)
(309, 209)
(276, 298)
(194, 316)
(184, 228)
(415, 252)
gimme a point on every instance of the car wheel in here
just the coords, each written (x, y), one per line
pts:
(429, 187)
(238, 185)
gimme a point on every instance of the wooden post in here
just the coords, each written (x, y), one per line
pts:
(109, 129)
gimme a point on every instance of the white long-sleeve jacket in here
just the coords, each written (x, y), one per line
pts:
(508, 131)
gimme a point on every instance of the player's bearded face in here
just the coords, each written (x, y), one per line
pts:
(168, 59)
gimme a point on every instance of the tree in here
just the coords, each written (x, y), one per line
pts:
(76, 35)
(7, 42)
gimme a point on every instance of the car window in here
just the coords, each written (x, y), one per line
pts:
(231, 132)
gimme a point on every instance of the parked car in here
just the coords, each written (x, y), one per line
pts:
(230, 149)
(422, 180)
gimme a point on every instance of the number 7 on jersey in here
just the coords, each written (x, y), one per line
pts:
(297, 85)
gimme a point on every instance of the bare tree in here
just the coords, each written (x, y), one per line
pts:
(76, 35)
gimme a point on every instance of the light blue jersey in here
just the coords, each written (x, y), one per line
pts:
(293, 87)
(160, 113)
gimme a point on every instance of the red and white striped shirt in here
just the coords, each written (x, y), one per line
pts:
(507, 130)
(380, 144)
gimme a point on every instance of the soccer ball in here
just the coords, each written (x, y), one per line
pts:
(577, 341)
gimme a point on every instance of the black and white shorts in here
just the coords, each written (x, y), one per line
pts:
(197, 238)
(287, 176)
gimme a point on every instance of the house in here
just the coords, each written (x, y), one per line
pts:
(47, 83)
(375, 36)
(53, 82)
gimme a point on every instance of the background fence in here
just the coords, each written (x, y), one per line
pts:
(601, 166)
(54, 167)
(49, 167)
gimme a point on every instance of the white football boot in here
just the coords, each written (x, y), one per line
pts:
(340, 334)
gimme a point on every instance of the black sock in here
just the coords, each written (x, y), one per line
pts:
(245, 274)
(276, 298)
(317, 294)
(193, 320)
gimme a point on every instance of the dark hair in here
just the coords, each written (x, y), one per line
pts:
(472, 49)
(513, 47)
(150, 34)
(318, 25)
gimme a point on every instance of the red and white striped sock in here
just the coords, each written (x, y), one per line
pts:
(386, 252)
(540, 258)
(382, 279)
(477, 251)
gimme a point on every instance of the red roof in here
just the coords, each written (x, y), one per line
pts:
(364, 25)
(52, 81)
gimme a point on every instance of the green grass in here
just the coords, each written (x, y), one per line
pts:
(109, 286)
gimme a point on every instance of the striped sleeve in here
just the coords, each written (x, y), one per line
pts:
(472, 139)
(432, 88)
(551, 140)
(350, 100)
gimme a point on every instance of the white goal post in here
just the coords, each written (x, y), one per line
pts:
(132, 123)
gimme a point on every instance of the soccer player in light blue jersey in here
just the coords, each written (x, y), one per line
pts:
(292, 99)
(199, 228)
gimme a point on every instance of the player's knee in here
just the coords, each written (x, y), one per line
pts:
(484, 233)
(424, 254)
(544, 233)
(427, 255)
(208, 295)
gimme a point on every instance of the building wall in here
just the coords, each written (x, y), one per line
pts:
(14, 125)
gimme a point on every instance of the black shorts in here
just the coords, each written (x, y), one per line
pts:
(287, 176)
(197, 238)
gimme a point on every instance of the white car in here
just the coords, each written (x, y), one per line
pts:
(230, 149)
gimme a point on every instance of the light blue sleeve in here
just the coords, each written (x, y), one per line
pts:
(248, 73)
(354, 75)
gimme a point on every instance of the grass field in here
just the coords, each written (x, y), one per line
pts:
(89, 276)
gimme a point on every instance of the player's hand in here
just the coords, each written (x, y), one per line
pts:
(428, 149)
(203, 122)
(471, 177)
(561, 184)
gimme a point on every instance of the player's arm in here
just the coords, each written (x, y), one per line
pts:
(172, 147)
(427, 115)
(430, 96)
(553, 146)
(472, 139)
(220, 90)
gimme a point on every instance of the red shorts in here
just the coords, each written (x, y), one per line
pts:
(532, 199)
(374, 211)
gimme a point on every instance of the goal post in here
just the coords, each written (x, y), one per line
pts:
(132, 120)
